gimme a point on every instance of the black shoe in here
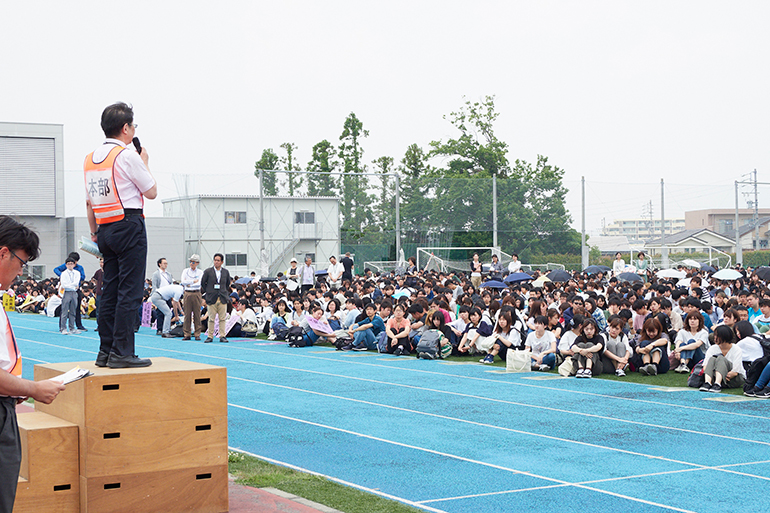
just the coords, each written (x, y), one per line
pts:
(101, 359)
(124, 362)
(159, 332)
(751, 392)
(197, 337)
(223, 340)
(136, 330)
(168, 335)
(81, 328)
(208, 339)
(187, 338)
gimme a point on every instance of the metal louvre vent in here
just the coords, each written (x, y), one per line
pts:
(27, 176)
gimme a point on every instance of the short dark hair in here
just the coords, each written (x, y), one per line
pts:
(17, 236)
(161, 259)
(74, 256)
(115, 117)
(220, 255)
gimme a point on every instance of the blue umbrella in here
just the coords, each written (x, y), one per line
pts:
(322, 272)
(629, 277)
(243, 281)
(494, 284)
(517, 277)
(596, 269)
(707, 268)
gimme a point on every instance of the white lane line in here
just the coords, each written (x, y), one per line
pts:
(458, 394)
(461, 458)
(340, 481)
(501, 428)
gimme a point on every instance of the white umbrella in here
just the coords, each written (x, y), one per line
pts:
(539, 282)
(683, 283)
(691, 263)
(727, 274)
(670, 273)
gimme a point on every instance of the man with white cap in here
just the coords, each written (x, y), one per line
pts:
(192, 302)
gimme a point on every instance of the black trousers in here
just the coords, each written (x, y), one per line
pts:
(124, 247)
(10, 453)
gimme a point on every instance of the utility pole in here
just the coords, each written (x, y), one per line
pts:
(663, 248)
(583, 248)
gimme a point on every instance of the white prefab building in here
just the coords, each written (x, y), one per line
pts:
(230, 225)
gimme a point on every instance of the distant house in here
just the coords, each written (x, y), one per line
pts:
(749, 240)
(692, 241)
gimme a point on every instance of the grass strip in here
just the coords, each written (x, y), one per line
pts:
(258, 473)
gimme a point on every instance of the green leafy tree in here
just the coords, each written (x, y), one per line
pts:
(293, 180)
(355, 198)
(323, 161)
(383, 208)
(268, 163)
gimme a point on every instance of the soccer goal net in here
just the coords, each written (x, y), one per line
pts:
(454, 259)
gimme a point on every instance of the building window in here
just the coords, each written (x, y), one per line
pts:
(235, 217)
(236, 259)
(304, 217)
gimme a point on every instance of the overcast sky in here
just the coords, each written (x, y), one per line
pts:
(623, 93)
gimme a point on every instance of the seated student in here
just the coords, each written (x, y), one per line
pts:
(319, 327)
(542, 343)
(265, 315)
(653, 349)
(333, 314)
(554, 326)
(281, 320)
(244, 313)
(417, 320)
(618, 351)
(691, 343)
(505, 337)
(723, 363)
(572, 332)
(597, 314)
(397, 330)
(588, 348)
(437, 322)
(457, 327)
(365, 330)
(762, 322)
(353, 307)
(756, 355)
(476, 328)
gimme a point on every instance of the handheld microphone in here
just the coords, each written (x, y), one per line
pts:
(137, 145)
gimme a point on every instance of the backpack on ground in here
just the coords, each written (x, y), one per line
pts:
(280, 330)
(430, 343)
(295, 337)
(382, 342)
(249, 329)
(697, 376)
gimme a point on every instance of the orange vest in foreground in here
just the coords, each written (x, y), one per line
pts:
(14, 355)
(100, 187)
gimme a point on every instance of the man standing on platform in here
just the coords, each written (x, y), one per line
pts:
(215, 284)
(18, 245)
(191, 281)
(117, 181)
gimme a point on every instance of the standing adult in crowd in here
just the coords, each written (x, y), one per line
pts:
(476, 268)
(161, 278)
(335, 271)
(347, 264)
(215, 284)
(82, 276)
(18, 245)
(191, 281)
(308, 275)
(160, 298)
(117, 181)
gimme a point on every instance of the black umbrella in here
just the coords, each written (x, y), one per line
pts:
(517, 277)
(629, 277)
(763, 273)
(559, 275)
(596, 269)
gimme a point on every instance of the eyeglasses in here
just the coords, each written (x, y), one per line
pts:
(24, 263)
(134, 125)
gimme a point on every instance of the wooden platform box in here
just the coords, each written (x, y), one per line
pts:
(154, 446)
(199, 490)
(48, 477)
(112, 398)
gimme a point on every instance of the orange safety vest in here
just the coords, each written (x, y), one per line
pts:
(14, 355)
(100, 187)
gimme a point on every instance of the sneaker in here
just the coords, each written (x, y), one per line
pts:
(359, 348)
(488, 359)
(579, 373)
(643, 370)
(705, 387)
(399, 351)
(716, 387)
(763, 394)
(620, 373)
(65, 332)
(587, 373)
(679, 369)
(751, 392)
(544, 368)
(271, 336)
(347, 347)
(652, 369)
(75, 332)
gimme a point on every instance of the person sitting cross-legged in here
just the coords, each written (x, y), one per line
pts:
(723, 363)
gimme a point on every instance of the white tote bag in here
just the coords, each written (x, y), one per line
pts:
(518, 361)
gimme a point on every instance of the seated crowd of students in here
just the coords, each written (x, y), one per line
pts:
(594, 324)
